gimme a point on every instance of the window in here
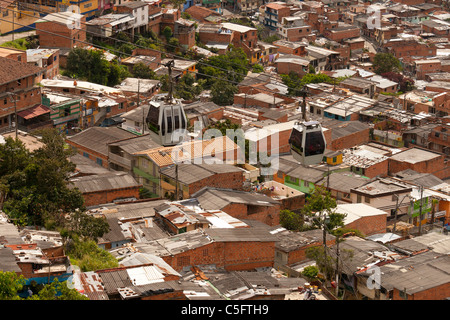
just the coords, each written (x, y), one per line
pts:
(99, 161)
(85, 154)
(358, 198)
(366, 199)
(183, 261)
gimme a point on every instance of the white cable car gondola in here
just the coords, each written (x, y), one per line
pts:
(167, 122)
(307, 142)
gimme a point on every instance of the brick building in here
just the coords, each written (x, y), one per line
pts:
(45, 58)
(342, 32)
(363, 217)
(274, 13)
(93, 142)
(420, 160)
(408, 48)
(184, 216)
(236, 249)
(383, 193)
(291, 246)
(193, 177)
(70, 35)
(184, 31)
(106, 188)
(18, 83)
(423, 67)
(240, 204)
(292, 63)
(290, 47)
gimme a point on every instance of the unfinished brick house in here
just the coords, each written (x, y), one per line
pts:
(240, 204)
(235, 249)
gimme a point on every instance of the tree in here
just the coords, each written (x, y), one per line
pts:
(88, 256)
(310, 273)
(91, 65)
(232, 66)
(58, 291)
(321, 208)
(405, 84)
(295, 83)
(187, 88)
(257, 68)
(167, 32)
(141, 70)
(222, 92)
(386, 62)
(290, 220)
(10, 284)
(172, 45)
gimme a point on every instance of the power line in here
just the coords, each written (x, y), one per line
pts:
(139, 58)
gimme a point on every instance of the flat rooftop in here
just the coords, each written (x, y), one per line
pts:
(415, 155)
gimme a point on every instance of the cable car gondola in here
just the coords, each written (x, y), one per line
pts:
(167, 122)
(307, 142)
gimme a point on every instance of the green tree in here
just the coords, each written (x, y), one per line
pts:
(10, 284)
(295, 83)
(321, 208)
(257, 68)
(290, 220)
(141, 70)
(222, 92)
(386, 62)
(172, 45)
(88, 256)
(232, 66)
(187, 88)
(58, 291)
(310, 273)
(167, 33)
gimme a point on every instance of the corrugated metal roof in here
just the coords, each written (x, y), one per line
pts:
(111, 181)
(114, 279)
(216, 199)
(97, 138)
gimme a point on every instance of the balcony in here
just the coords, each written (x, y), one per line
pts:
(121, 161)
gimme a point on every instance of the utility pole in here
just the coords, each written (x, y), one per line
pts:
(396, 209)
(15, 111)
(420, 210)
(13, 26)
(169, 66)
(337, 266)
(176, 182)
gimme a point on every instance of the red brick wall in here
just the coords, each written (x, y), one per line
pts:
(108, 196)
(68, 37)
(206, 37)
(285, 68)
(300, 254)
(369, 225)
(27, 99)
(380, 168)
(267, 215)
(342, 35)
(232, 180)
(437, 293)
(236, 256)
(349, 141)
(430, 166)
(424, 68)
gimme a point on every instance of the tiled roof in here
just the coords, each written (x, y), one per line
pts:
(166, 156)
(12, 70)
